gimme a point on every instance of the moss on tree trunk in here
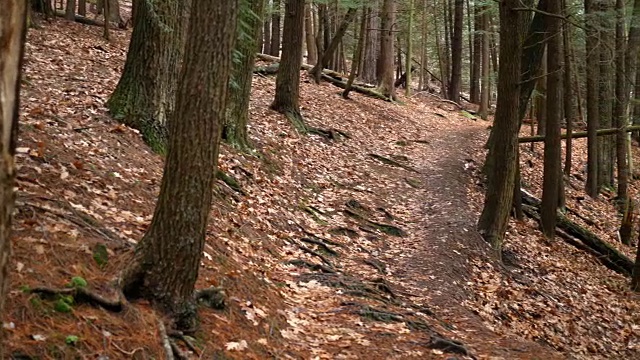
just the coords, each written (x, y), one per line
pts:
(145, 94)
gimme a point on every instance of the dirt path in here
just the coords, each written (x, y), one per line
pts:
(436, 268)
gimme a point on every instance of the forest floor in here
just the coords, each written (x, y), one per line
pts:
(358, 247)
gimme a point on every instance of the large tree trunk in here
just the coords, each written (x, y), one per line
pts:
(456, 50)
(500, 179)
(593, 117)
(70, 10)
(235, 125)
(145, 94)
(13, 23)
(552, 155)
(287, 97)
(385, 82)
(165, 266)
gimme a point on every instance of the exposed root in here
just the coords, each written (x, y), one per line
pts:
(321, 244)
(377, 264)
(315, 253)
(213, 297)
(74, 216)
(82, 295)
(177, 352)
(230, 181)
(179, 335)
(315, 267)
(329, 134)
(385, 228)
(166, 342)
(449, 346)
(391, 162)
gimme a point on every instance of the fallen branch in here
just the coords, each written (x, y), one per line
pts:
(579, 134)
(330, 76)
(604, 252)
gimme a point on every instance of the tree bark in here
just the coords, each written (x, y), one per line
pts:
(593, 118)
(165, 266)
(456, 50)
(266, 31)
(82, 7)
(274, 49)
(621, 104)
(333, 45)
(477, 54)
(606, 96)
(372, 45)
(568, 91)
(309, 33)
(355, 65)
(385, 82)
(287, 97)
(13, 28)
(235, 124)
(70, 10)
(552, 155)
(500, 180)
(145, 94)
(408, 67)
(484, 90)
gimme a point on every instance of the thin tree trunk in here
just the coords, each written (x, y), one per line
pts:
(371, 49)
(593, 118)
(484, 90)
(409, 53)
(456, 62)
(266, 32)
(552, 153)
(70, 11)
(568, 92)
(606, 96)
(477, 55)
(316, 71)
(274, 48)
(107, 16)
(312, 50)
(620, 110)
(359, 53)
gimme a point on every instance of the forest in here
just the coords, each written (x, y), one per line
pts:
(319, 179)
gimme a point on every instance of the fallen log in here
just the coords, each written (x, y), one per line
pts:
(570, 231)
(330, 76)
(580, 134)
(82, 19)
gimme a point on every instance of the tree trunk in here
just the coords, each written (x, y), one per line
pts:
(385, 83)
(355, 64)
(70, 10)
(484, 90)
(620, 109)
(631, 61)
(266, 31)
(607, 143)
(107, 12)
(287, 97)
(541, 95)
(333, 45)
(274, 49)
(309, 32)
(13, 28)
(477, 54)
(408, 67)
(235, 125)
(500, 180)
(82, 7)
(552, 153)
(165, 266)
(145, 94)
(568, 91)
(372, 45)
(456, 50)
(593, 117)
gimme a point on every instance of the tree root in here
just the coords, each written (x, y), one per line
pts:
(385, 228)
(74, 216)
(230, 181)
(315, 267)
(213, 297)
(166, 342)
(449, 346)
(321, 244)
(315, 253)
(81, 295)
(377, 264)
(391, 162)
(329, 134)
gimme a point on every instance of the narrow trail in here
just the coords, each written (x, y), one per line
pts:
(436, 268)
